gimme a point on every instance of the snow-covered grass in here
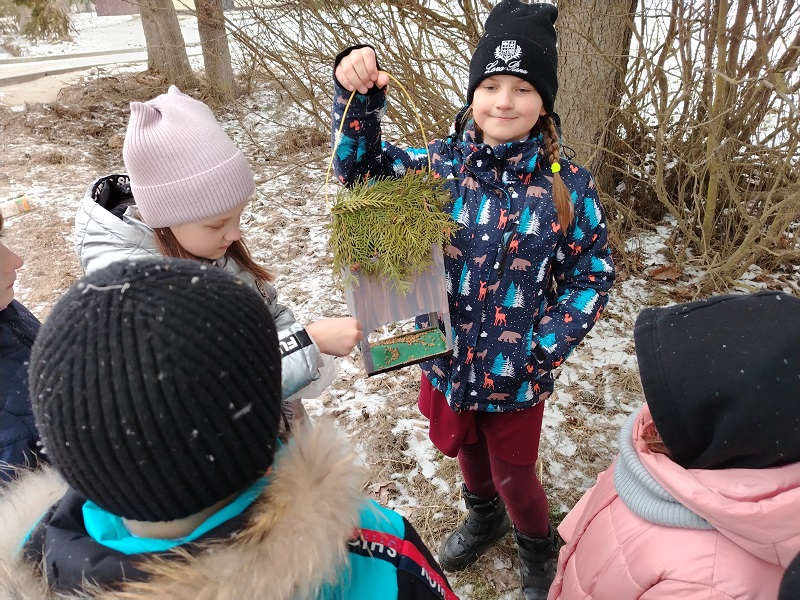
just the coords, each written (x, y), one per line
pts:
(286, 228)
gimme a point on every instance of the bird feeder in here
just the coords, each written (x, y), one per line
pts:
(387, 236)
(376, 305)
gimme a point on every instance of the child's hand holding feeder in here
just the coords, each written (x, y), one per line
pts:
(359, 71)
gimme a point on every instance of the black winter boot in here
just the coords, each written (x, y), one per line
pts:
(485, 523)
(537, 564)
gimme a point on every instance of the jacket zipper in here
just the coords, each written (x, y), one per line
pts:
(25, 337)
(508, 235)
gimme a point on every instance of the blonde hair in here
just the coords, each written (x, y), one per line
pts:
(561, 197)
(168, 245)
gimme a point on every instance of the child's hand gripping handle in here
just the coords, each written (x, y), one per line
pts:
(359, 71)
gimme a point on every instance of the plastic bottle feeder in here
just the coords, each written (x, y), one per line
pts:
(376, 305)
(387, 236)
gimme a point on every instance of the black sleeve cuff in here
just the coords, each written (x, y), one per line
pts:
(374, 89)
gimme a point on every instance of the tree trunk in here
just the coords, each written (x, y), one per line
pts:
(593, 45)
(214, 41)
(156, 60)
(166, 50)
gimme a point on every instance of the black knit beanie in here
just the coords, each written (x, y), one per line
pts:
(790, 583)
(519, 39)
(721, 376)
(156, 386)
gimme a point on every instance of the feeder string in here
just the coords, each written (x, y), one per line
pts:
(341, 128)
(416, 114)
(335, 146)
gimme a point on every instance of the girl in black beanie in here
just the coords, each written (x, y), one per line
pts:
(528, 271)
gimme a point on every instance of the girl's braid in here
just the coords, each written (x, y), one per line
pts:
(561, 195)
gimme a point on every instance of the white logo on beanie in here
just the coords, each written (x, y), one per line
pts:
(508, 52)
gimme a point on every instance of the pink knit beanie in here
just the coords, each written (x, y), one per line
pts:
(183, 166)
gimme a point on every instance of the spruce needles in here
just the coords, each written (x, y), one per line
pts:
(386, 227)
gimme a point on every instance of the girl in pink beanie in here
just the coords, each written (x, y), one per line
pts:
(183, 197)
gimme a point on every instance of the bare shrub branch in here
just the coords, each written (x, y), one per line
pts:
(709, 133)
(705, 132)
(294, 43)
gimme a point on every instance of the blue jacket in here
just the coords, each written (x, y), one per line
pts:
(523, 293)
(305, 531)
(18, 436)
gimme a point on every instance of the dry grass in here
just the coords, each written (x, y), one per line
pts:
(10, 47)
(91, 120)
(119, 90)
(302, 139)
(51, 265)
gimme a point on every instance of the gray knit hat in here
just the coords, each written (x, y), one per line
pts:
(156, 387)
(182, 164)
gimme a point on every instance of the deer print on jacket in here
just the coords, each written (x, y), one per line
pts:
(509, 266)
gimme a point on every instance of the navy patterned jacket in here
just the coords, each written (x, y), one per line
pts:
(522, 293)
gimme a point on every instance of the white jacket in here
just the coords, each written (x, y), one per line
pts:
(102, 238)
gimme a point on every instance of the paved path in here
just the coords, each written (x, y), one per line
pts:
(34, 76)
(28, 68)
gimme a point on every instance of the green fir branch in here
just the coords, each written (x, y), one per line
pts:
(386, 227)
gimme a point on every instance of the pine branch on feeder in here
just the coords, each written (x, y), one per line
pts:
(386, 226)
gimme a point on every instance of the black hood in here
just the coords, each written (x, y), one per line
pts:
(790, 584)
(722, 379)
(113, 193)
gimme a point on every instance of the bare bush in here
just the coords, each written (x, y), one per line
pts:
(427, 49)
(704, 128)
(709, 134)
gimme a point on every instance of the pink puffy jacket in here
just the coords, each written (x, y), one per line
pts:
(613, 554)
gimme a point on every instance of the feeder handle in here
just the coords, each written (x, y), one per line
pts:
(341, 127)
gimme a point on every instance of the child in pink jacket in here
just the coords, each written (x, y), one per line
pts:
(702, 500)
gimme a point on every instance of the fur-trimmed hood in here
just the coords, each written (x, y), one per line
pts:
(294, 544)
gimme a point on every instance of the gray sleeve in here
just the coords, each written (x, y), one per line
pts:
(300, 357)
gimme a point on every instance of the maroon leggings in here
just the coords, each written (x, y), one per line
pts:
(486, 475)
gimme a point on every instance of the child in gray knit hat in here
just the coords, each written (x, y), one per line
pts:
(156, 386)
(190, 184)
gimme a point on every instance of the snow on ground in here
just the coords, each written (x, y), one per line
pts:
(95, 33)
(285, 225)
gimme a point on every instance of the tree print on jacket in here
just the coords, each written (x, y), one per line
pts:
(522, 292)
